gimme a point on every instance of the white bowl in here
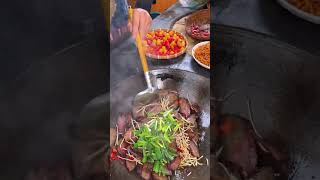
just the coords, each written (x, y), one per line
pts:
(298, 12)
(193, 51)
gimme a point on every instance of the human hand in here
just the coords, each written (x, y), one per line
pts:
(141, 22)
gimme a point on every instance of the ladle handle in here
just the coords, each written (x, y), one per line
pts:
(141, 53)
(140, 46)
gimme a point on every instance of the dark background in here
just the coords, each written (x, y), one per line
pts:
(268, 17)
(35, 29)
(53, 61)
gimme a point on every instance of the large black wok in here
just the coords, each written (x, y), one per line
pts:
(188, 84)
(283, 85)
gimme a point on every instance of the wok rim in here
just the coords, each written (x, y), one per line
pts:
(270, 39)
(159, 70)
(106, 96)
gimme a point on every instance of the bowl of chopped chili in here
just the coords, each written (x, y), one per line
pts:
(165, 44)
(201, 54)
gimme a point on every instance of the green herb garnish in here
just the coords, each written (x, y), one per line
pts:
(154, 138)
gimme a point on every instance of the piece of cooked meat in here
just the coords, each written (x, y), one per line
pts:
(120, 149)
(196, 137)
(177, 115)
(146, 171)
(129, 119)
(139, 169)
(154, 109)
(190, 133)
(122, 122)
(113, 136)
(193, 135)
(195, 108)
(239, 145)
(167, 171)
(172, 98)
(194, 149)
(130, 165)
(192, 119)
(156, 176)
(184, 107)
(174, 105)
(175, 163)
(142, 120)
(128, 135)
(137, 112)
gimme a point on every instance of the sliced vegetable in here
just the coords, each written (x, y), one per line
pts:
(156, 137)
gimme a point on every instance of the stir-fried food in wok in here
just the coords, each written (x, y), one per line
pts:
(244, 154)
(159, 137)
(240, 152)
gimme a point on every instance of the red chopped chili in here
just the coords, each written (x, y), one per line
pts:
(113, 155)
(114, 150)
(179, 149)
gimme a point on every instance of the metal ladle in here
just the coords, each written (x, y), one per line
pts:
(148, 94)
